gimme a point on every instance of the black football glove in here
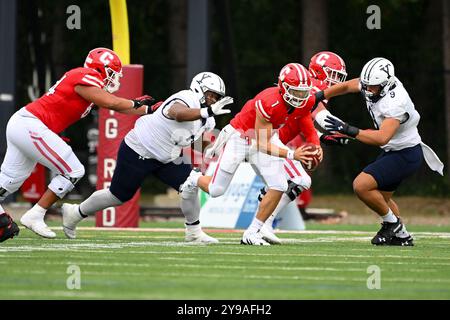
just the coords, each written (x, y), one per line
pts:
(336, 125)
(336, 139)
(143, 101)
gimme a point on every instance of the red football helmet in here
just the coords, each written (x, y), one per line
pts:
(329, 67)
(295, 84)
(108, 64)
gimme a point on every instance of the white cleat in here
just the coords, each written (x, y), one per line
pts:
(268, 234)
(35, 222)
(190, 183)
(196, 235)
(71, 217)
(254, 239)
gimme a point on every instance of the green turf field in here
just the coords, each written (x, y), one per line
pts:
(317, 264)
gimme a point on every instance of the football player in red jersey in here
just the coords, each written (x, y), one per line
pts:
(256, 122)
(326, 69)
(32, 134)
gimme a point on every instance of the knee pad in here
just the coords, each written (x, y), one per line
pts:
(293, 191)
(186, 195)
(303, 181)
(10, 184)
(262, 193)
(216, 190)
(3, 194)
(63, 184)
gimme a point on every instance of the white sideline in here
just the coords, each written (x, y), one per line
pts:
(367, 233)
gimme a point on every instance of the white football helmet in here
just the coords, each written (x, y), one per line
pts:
(207, 81)
(378, 71)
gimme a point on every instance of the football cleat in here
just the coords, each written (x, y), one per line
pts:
(268, 234)
(253, 239)
(8, 228)
(406, 242)
(387, 232)
(71, 217)
(35, 222)
(189, 184)
(195, 234)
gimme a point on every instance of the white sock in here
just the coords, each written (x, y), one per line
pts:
(193, 228)
(99, 200)
(39, 210)
(269, 221)
(255, 226)
(389, 217)
(196, 180)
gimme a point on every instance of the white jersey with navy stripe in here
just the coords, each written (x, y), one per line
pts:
(398, 105)
(163, 137)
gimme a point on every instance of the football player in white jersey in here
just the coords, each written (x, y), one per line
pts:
(395, 120)
(154, 147)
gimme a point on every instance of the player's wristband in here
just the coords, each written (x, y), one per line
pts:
(290, 154)
(320, 96)
(206, 112)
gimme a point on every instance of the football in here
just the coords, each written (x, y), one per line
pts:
(312, 164)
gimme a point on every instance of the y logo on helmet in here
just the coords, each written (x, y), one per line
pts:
(386, 69)
(106, 58)
(204, 76)
(322, 58)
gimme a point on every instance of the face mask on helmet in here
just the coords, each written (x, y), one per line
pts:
(112, 80)
(296, 96)
(334, 76)
(370, 95)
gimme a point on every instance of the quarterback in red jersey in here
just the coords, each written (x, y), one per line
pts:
(250, 136)
(326, 69)
(32, 134)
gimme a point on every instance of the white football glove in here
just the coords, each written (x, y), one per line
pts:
(218, 107)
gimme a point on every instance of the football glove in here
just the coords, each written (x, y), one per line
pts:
(335, 125)
(145, 100)
(217, 109)
(336, 139)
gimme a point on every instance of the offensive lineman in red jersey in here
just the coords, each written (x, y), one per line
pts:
(32, 134)
(249, 135)
(326, 69)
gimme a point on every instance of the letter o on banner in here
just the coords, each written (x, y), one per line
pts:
(113, 127)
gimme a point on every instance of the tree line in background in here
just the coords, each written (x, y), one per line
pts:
(250, 41)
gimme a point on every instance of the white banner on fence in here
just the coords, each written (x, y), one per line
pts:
(236, 208)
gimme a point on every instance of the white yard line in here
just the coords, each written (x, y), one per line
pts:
(346, 232)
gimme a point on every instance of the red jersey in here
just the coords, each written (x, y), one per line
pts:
(61, 106)
(301, 121)
(269, 103)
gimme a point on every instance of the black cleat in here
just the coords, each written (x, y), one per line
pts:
(8, 228)
(387, 232)
(406, 242)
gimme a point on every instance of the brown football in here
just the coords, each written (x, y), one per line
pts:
(312, 164)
